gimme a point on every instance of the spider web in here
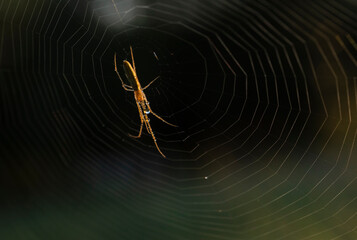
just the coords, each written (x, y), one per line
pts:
(263, 92)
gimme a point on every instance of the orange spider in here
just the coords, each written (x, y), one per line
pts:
(140, 98)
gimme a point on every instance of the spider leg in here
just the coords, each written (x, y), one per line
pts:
(142, 121)
(148, 106)
(150, 83)
(125, 86)
(132, 57)
(148, 128)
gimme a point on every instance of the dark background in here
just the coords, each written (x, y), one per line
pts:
(263, 92)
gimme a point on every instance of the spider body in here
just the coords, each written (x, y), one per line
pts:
(140, 97)
(131, 76)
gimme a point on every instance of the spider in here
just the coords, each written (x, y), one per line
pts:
(140, 98)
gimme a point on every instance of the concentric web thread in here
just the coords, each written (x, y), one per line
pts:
(263, 92)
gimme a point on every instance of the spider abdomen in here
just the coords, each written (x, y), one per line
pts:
(131, 75)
